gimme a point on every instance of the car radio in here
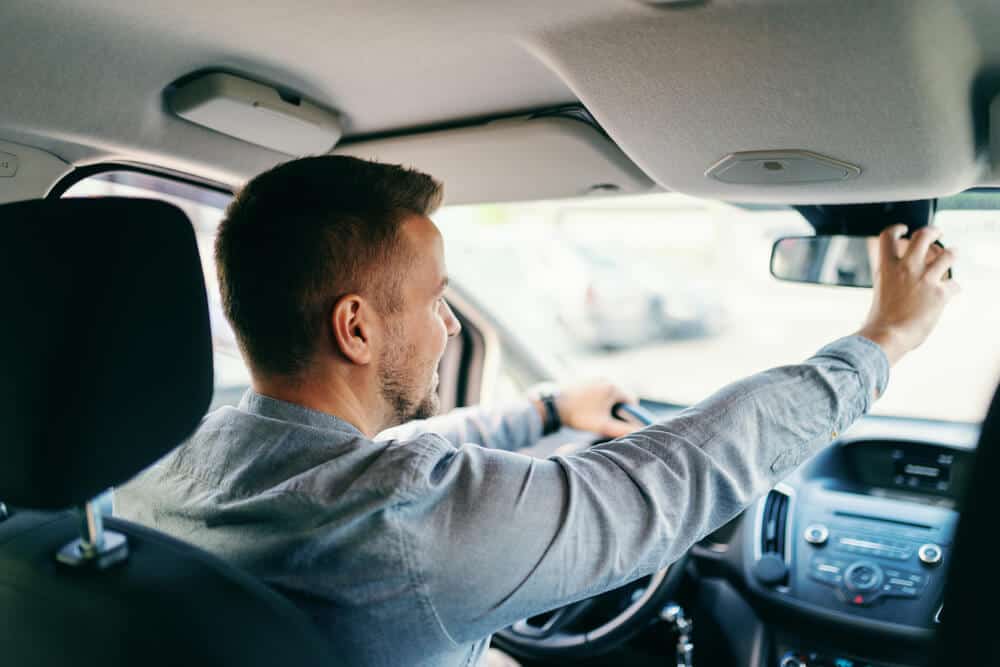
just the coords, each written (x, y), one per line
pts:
(880, 568)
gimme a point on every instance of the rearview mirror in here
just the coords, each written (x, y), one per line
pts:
(825, 260)
(843, 260)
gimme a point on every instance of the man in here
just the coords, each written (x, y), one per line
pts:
(411, 550)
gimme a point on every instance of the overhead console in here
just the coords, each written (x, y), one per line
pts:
(779, 102)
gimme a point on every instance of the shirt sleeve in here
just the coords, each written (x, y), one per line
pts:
(511, 427)
(500, 536)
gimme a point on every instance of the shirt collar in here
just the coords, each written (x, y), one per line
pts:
(265, 406)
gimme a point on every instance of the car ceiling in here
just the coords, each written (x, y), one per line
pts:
(899, 88)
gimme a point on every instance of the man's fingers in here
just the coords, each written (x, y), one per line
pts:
(920, 242)
(941, 265)
(888, 240)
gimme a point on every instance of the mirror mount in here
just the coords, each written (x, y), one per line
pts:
(868, 219)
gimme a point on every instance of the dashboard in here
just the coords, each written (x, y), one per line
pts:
(843, 564)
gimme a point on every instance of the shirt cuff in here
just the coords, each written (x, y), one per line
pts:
(534, 422)
(868, 358)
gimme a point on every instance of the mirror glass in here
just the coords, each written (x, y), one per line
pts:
(826, 260)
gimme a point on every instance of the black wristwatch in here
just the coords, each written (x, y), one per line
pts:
(552, 421)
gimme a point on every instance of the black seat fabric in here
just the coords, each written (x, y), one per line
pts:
(969, 633)
(107, 359)
(106, 348)
(168, 604)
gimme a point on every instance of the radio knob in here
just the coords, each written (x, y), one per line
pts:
(929, 554)
(816, 534)
(792, 660)
(863, 576)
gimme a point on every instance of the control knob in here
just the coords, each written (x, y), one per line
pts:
(793, 660)
(863, 576)
(771, 570)
(929, 554)
(816, 534)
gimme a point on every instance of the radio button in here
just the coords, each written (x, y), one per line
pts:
(898, 590)
(827, 570)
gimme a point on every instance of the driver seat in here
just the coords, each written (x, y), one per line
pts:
(968, 633)
(107, 361)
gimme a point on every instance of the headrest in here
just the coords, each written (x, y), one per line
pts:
(105, 346)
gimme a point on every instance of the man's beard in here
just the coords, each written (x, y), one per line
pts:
(399, 386)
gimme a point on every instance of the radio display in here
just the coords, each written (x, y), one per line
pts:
(909, 467)
(925, 471)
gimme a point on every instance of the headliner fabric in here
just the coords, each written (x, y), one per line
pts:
(898, 87)
(106, 344)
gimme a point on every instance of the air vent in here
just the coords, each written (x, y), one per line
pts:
(773, 526)
(772, 548)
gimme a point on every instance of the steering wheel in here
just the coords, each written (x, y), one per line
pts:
(600, 623)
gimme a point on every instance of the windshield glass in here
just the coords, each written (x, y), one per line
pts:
(672, 296)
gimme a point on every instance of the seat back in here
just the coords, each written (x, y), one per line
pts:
(106, 351)
(968, 634)
(168, 604)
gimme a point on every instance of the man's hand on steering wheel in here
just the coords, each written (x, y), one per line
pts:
(587, 407)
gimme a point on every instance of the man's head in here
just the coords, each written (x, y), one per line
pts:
(331, 272)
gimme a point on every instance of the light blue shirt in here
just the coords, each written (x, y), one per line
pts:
(413, 549)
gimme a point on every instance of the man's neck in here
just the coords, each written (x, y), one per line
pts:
(333, 396)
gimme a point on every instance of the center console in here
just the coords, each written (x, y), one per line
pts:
(860, 552)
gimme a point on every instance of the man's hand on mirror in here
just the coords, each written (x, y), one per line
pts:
(911, 290)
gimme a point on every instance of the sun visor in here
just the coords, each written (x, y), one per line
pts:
(519, 159)
(256, 113)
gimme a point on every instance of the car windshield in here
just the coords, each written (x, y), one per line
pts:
(672, 296)
(669, 295)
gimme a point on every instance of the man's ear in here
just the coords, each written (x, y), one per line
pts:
(351, 327)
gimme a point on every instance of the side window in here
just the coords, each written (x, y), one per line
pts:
(205, 208)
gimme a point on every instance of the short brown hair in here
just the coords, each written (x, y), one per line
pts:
(299, 237)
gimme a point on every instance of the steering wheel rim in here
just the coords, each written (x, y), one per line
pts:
(549, 641)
